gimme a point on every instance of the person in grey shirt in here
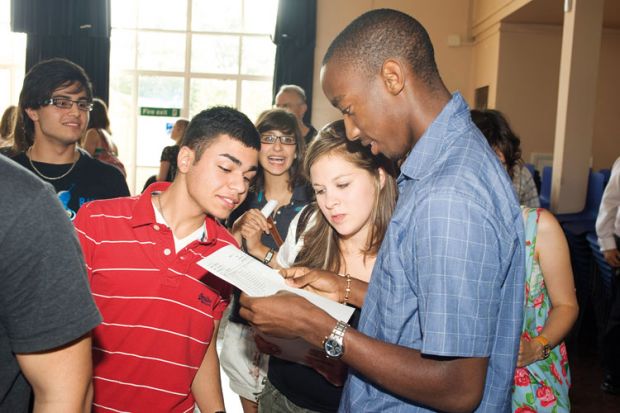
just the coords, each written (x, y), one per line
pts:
(46, 309)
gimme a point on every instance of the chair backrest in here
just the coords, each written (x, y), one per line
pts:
(606, 174)
(596, 187)
(531, 167)
(545, 187)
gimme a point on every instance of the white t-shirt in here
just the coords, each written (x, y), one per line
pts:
(291, 247)
(608, 220)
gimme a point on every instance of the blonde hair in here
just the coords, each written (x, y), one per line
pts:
(321, 246)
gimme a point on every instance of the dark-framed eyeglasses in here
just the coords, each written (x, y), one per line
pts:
(284, 139)
(66, 103)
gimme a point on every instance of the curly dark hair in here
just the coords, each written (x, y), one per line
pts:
(495, 128)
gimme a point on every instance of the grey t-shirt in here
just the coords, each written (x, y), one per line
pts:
(45, 299)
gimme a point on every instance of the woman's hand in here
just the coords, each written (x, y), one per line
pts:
(334, 371)
(320, 282)
(251, 226)
(529, 352)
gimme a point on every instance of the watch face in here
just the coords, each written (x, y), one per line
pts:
(333, 348)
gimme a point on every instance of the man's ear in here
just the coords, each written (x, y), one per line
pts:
(393, 76)
(185, 159)
(32, 114)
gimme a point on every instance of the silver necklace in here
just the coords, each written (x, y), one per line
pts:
(161, 209)
(50, 178)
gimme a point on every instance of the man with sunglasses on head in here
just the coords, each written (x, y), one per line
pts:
(54, 106)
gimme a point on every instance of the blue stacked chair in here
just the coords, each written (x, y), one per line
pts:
(603, 284)
(576, 228)
(606, 174)
(545, 187)
(587, 217)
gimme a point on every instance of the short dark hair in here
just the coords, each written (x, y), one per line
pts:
(209, 124)
(40, 82)
(381, 34)
(99, 116)
(285, 122)
(495, 128)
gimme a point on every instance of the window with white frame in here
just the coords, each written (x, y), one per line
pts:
(12, 59)
(180, 57)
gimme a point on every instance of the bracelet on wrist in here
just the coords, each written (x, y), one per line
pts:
(546, 348)
(347, 289)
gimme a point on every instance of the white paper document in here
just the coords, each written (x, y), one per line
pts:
(258, 280)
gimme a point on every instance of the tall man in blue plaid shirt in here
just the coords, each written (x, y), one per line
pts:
(442, 315)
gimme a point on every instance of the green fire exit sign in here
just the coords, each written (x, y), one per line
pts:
(169, 112)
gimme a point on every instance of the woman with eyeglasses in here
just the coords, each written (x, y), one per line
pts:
(280, 179)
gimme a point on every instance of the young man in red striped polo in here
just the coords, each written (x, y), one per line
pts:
(155, 350)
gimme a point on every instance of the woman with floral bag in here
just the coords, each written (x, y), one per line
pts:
(542, 378)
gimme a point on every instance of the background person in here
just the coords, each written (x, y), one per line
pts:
(98, 139)
(608, 232)
(168, 159)
(507, 146)
(46, 309)
(7, 124)
(279, 178)
(54, 106)
(355, 197)
(542, 378)
(293, 99)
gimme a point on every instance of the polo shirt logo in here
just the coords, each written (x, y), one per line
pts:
(204, 299)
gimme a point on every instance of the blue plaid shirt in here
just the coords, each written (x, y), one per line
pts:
(448, 280)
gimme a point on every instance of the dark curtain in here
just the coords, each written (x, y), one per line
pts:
(78, 30)
(295, 38)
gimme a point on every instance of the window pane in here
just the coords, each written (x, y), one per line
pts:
(215, 54)
(5, 12)
(255, 97)
(157, 92)
(162, 14)
(216, 15)
(260, 16)
(123, 49)
(124, 13)
(161, 51)
(122, 115)
(205, 93)
(5, 88)
(13, 49)
(258, 56)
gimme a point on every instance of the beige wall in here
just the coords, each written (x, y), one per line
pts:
(485, 61)
(519, 63)
(606, 142)
(527, 87)
(441, 18)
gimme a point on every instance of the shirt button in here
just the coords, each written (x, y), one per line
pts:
(167, 251)
(156, 227)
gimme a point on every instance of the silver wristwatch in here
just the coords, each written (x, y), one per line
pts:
(334, 344)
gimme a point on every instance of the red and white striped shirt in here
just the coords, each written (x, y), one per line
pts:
(158, 306)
